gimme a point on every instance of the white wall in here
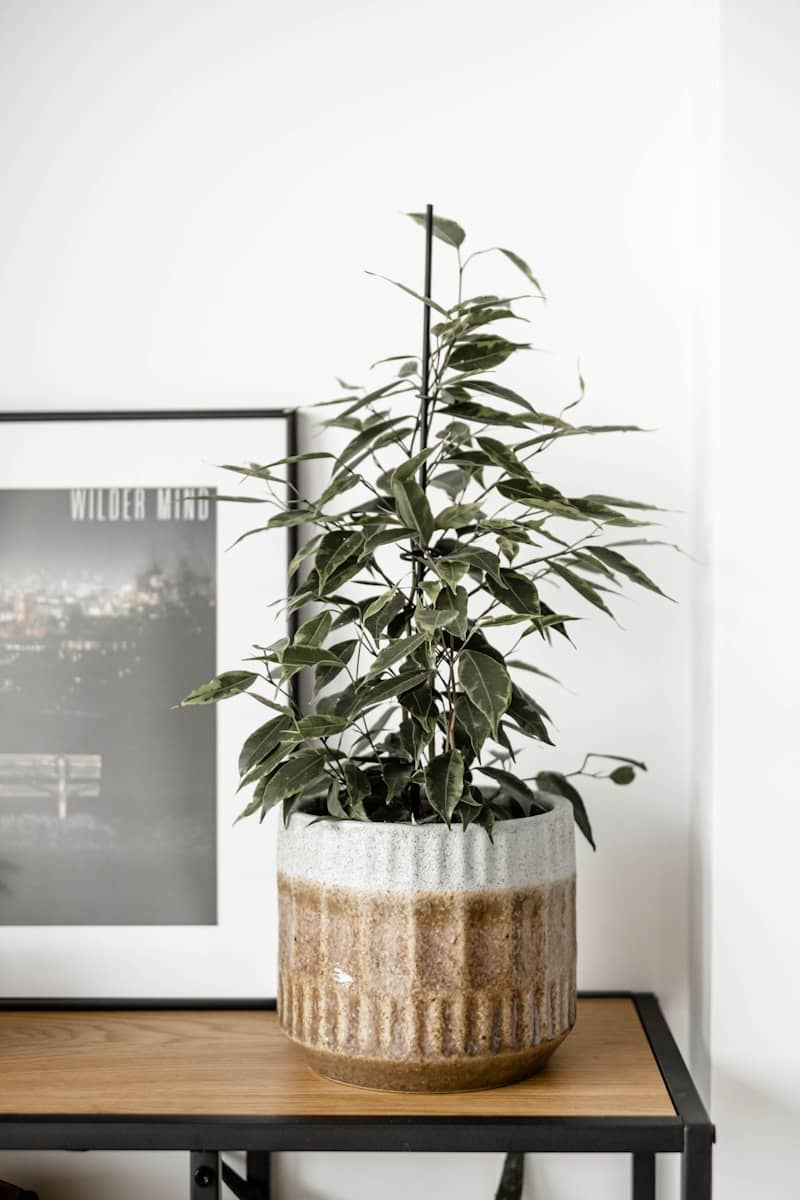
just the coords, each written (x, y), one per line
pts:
(755, 971)
(188, 194)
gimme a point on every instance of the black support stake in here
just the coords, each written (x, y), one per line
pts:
(293, 532)
(426, 342)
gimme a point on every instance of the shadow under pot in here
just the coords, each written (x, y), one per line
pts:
(425, 959)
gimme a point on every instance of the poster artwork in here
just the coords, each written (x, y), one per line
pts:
(107, 618)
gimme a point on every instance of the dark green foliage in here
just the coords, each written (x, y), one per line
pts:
(419, 547)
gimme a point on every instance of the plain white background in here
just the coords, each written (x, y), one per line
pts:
(188, 196)
(754, 971)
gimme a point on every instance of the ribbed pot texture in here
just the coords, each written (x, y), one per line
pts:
(421, 958)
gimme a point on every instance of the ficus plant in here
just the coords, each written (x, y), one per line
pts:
(438, 528)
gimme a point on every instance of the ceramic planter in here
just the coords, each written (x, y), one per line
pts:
(422, 958)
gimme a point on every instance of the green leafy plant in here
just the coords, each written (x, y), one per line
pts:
(450, 534)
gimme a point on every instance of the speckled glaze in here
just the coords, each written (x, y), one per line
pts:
(417, 958)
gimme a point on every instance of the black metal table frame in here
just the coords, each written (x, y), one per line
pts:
(688, 1133)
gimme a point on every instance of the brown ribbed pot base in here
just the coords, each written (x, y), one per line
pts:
(449, 1075)
(427, 991)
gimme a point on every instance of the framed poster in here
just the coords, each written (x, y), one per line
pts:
(121, 871)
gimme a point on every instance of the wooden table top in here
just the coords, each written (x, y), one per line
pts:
(238, 1063)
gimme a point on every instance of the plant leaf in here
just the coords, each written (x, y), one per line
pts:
(221, 687)
(634, 762)
(262, 742)
(525, 666)
(452, 482)
(616, 502)
(413, 508)
(252, 807)
(320, 725)
(444, 783)
(338, 486)
(618, 562)
(553, 781)
(408, 469)
(314, 631)
(395, 652)
(366, 437)
(503, 456)
(348, 550)
(380, 602)
(458, 516)
(477, 558)
(301, 769)
(344, 652)
(537, 495)
(358, 785)
(451, 573)
(486, 683)
(490, 388)
(410, 291)
(528, 715)
(517, 592)
(333, 803)
(483, 351)
(309, 656)
(515, 787)
(581, 586)
(368, 695)
(266, 767)
(303, 553)
(522, 266)
(468, 410)
(443, 228)
(473, 722)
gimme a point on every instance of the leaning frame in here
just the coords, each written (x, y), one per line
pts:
(286, 432)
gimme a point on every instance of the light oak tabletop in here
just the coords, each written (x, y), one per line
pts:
(238, 1063)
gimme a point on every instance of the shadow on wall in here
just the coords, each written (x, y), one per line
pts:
(77, 1175)
(745, 1165)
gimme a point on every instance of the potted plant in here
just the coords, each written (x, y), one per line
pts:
(427, 889)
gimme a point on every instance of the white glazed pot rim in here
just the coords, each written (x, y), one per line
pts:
(401, 857)
(554, 803)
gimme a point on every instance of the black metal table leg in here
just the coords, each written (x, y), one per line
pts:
(258, 1172)
(643, 1177)
(696, 1163)
(698, 1132)
(256, 1185)
(204, 1175)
